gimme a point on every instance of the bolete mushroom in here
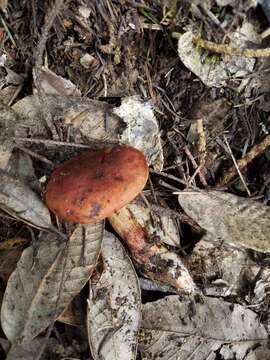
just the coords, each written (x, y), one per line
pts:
(96, 184)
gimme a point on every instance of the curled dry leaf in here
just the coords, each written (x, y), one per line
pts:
(45, 282)
(228, 217)
(198, 328)
(153, 259)
(114, 308)
(21, 202)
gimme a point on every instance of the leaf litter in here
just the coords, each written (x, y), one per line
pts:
(218, 264)
(47, 281)
(114, 305)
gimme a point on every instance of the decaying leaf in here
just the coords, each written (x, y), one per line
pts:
(46, 279)
(20, 166)
(142, 129)
(8, 119)
(21, 202)
(199, 329)
(152, 258)
(90, 120)
(114, 307)
(53, 84)
(33, 350)
(133, 122)
(216, 71)
(29, 351)
(228, 217)
(5, 153)
(224, 270)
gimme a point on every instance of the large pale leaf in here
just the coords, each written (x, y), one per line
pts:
(45, 282)
(114, 310)
(199, 329)
(20, 201)
(228, 217)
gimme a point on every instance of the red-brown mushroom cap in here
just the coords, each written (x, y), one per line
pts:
(94, 185)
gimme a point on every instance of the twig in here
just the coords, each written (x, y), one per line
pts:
(195, 166)
(236, 166)
(35, 155)
(47, 116)
(201, 142)
(225, 49)
(60, 143)
(257, 150)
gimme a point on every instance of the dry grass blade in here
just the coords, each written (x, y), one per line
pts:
(114, 311)
(20, 201)
(42, 286)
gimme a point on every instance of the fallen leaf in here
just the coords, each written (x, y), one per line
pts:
(46, 279)
(142, 130)
(53, 84)
(224, 270)
(216, 71)
(198, 328)
(114, 306)
(227, 217)
(21, 202)
(20, 166)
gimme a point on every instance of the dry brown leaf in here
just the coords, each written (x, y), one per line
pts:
(114, 307)
(230, 218)
(21, 202)
(199, 328)
(45, 282)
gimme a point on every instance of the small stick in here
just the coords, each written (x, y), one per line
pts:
(228, 50)
(35, 155)
(201, 142)
(256, 150)
(60, 143)
(195, 166)
(236, 166)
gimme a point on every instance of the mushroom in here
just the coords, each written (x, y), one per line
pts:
(96, 184)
